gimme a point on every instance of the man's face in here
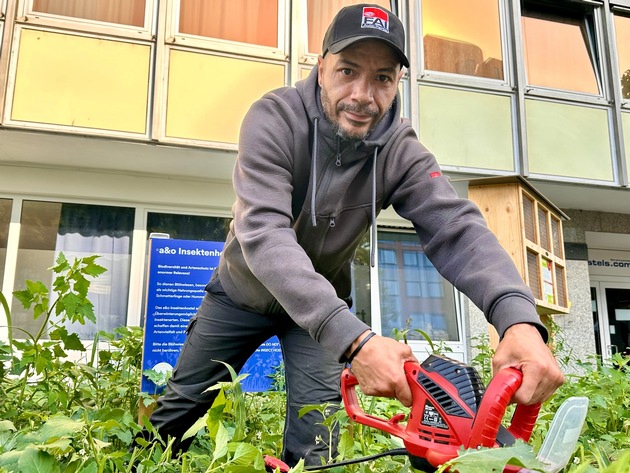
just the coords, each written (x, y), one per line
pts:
(358, 86)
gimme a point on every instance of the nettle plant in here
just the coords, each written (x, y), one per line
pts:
(59, 415)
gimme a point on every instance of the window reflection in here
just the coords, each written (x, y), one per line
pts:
(124, 12)
(558, 52)
(77, 230)
(413, 294)
(622, 32)
(320, 14)
(245, 21)
(5, 220)
(361, 285)
(188, 227)
(453, 43)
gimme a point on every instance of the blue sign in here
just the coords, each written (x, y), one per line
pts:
(178, 273)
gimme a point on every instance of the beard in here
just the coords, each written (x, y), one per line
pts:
(342, 132)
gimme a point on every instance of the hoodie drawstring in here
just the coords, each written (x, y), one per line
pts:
(373, 239)
(315, 152)
(314, 169)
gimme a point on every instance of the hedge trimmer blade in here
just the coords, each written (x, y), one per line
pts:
(564, 432)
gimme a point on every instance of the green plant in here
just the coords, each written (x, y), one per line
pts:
(58, 415)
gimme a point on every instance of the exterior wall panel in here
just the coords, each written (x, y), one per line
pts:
(467, 129)
(209, 95)
(567, 140)
(79, 81)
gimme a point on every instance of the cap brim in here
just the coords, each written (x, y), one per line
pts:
(344, 43)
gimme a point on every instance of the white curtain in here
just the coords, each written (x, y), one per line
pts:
(110, 291)
(126, 12)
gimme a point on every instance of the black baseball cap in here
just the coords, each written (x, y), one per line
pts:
(365, 21)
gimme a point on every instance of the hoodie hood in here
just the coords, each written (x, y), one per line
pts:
(310, 93)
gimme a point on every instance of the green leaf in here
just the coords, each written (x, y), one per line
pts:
(7, 425)
(91, 268)
(245, 454)
(60, 426)
(10, 459)
(81, 285)
(25, 297)
(488, 460)
(34, 460)
(68, 303)
(220, 443)
(62, 264)
(196, 427)
(73, 342)
(58, 446)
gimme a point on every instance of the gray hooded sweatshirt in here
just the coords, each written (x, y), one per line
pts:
(305, 198)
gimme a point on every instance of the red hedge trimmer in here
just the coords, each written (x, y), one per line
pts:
(452, 409)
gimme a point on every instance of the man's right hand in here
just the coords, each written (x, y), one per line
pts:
(379, 367)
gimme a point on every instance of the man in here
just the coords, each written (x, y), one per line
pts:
(316, 163)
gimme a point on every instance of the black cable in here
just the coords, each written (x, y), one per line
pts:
(392, 453)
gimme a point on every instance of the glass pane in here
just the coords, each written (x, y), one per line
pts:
(568, 140)
(77, 230)
(413, 294)
(124, 12)
(360, 271)
(321, 13)
(557, 52)
(245, 21)
(622, 31)
(189, 227)
(465, 128)
(5, 220)
(453, 43)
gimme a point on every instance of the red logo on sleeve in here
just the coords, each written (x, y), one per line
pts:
(435, 174)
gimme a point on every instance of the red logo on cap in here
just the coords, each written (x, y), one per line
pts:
(375, 18)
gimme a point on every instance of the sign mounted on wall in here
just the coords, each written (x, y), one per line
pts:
(608, 262)
(178, 271)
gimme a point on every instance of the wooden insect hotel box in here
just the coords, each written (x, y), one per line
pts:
(530, 228)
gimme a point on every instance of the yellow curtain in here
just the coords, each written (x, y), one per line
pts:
(126, 12)
(320, 14)
(245, 21)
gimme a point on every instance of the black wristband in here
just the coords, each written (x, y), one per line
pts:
(359, 346)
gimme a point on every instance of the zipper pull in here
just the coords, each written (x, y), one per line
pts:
(338, 161)
(331, 222)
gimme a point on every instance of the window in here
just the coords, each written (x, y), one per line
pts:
(321, 13)
(188, 227)
(622, 33)
(245, 21)
(77, 230)
(455, 44)
(559, 48)
(5, 220)
(413, 294)
(124, 12)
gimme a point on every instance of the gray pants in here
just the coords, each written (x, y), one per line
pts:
(222, 331)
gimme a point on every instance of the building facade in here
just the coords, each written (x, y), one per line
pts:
(120, 119)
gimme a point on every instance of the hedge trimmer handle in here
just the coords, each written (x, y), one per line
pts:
(351, 402)
(492, 409)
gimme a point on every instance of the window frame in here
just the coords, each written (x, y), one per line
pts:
(12, 283)
(281, 52)
(304, 57)
(483, 83)
(457, 298)
(624, 103)
(596, 49)
(26, 15)
(72, 129)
